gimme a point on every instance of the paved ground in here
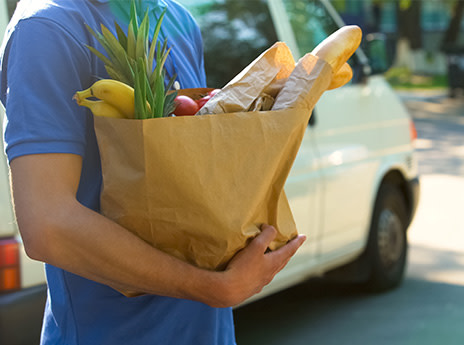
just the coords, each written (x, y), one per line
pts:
(440, 125)
(439, 222)
(428, 309)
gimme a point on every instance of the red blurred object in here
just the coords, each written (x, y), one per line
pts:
(9, 265)
(412, 130)
(213, 92)
(202, 101)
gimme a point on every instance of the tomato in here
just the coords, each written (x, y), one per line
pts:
(185, 106)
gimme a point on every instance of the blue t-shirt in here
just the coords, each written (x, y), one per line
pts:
(44, 62)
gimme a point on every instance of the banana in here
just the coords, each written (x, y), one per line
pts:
(113, 92)
(102, 108)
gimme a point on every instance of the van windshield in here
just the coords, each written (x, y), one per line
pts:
(310, 22)
(234, 33)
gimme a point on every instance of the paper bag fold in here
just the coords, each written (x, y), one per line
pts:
(272, 66)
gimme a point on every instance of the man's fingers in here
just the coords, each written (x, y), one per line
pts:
(264, 239)
(284, 253)
(252, 268)
(280, 258)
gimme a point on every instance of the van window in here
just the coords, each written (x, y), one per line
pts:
(11, 6)
(235, 32)
(310, 22)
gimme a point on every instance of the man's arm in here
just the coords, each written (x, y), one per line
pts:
(58, 230)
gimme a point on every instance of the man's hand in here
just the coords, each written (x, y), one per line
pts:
(253, 267)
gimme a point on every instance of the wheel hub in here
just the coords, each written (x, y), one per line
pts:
(390, 238)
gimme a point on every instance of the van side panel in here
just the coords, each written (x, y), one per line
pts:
(361, 133)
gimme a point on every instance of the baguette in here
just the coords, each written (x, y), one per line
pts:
(343, 76)
(338, 47)
(325, 68)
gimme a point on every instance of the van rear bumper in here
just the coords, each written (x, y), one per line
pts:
(21, 314)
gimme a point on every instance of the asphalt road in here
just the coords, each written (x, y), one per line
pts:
(428, 308)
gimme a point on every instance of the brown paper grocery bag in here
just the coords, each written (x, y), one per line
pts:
(199, 187)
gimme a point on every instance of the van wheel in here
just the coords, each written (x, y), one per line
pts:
(387, 245)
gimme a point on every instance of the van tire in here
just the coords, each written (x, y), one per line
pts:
(387, 246)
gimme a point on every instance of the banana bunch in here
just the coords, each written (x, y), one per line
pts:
(115, 99)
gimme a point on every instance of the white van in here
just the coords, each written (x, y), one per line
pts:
(354, 186)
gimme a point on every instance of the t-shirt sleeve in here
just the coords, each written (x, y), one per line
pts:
(43, 67)
(200, 53)
(185, 35)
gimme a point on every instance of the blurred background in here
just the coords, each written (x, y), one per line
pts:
(422, 38)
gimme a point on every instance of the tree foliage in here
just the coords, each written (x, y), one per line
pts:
(451, 35)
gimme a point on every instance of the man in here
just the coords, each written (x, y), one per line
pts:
(56, 179)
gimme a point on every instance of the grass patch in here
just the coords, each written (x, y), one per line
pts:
(403, 78)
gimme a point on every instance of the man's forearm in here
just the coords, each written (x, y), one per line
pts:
(57, 229)
(88, 244)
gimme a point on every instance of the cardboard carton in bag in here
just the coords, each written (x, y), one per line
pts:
(199, 187)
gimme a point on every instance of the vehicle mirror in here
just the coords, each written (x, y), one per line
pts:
(375, 46)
